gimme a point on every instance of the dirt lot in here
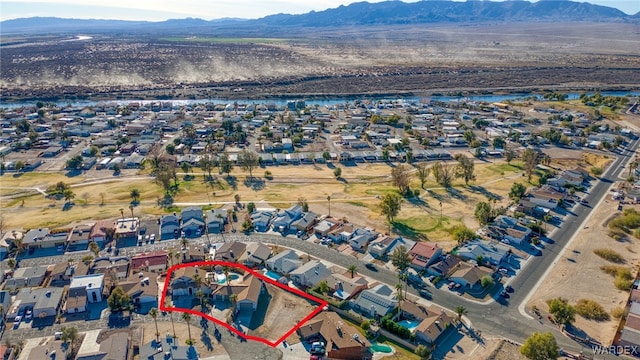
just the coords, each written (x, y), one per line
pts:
(164, 327)
(284, 312)
(577, 274)
(376, 60)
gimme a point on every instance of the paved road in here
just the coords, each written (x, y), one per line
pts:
(502, 319)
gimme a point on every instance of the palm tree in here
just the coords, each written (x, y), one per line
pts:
(95, 249)
(226, 274)
(69, 334)
(399, 296)
(404, 277)
(187, 318)
(353, 269)
(173, 326)
(122, 214)
(135, 195)
(329, 201)
(154, 314)
(460, 310)
(131, 208)
(170, 254)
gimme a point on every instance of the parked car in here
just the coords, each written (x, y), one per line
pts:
(509, 289)
(425, 294)
(504, 294)
(371, 267)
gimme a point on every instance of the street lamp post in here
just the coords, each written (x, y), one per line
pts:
(440, 211)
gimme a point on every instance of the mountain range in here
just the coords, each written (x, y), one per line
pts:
(355, 14)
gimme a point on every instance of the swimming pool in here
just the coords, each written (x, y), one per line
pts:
(409, 324)
(272, 275)
(381, 348)
(222, 278)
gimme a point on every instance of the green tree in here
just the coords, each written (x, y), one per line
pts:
(596, 171)
(517, 191)
(353, 270)
(462, 234)
(135, 195)
(206, 163)
(20, 165)
(400, 258)
(563, 313)
(94, 248)
(226, 166)
(75, 163)
(422, 172)
(119, 300)
(400, 178)
(469, 136)
(248, 160)
(486, 281)
(509, 155)
(154, 314)
(69, 335)
(422, 351)
(322, 287)
(186, 167)
(498, 143)
(530, 158)
(337, 172)
(171, 149)
(483, 213)
(464, 169)
(68, 195)
(187, 318)
(251, 207)
(443, 173)
(540, 346)
(390, 206)
(460, 311)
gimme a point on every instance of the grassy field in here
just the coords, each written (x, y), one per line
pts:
(355, 197)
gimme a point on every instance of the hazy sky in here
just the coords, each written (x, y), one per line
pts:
(156, 10)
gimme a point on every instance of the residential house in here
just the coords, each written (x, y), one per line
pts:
(469, 275)
(342, 341)
(376, 302)
(83, 290)
(48, 346)
(566, 178)
(113, 347)
(378, 247)
(167, 348)
(99, 231)
(248, 298)
(195, 253)
(61, 274)
(398, 242)
(306, 222)
(255, 254)
(547, 197)
(34, 237)
(142, 287)
(284, 262)
(216, 220)
(261, 220)
(309, 274)
(114, 266)
(192, 222)
(285, 218)
(27, 277)
(47, 301)
(489, 252)
(432, 326)
(7, 241)
(155, 261)
(127, 228)
(343, 232)
(343, 287)
(183, 284)
(230, 251)
(530, 208)
(359, 242)
(423, 254)
(5, 302)
(444, 267)
(169, 227)
(514, 232)
(79, 237)
(323, 227)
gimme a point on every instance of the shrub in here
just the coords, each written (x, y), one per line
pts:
(422, 351)
(486, 281)
(624, 279)
(618, 312)
(609, 255)
(365, 325)
(591, 310)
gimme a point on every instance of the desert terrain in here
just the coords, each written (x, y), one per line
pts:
(419, 60)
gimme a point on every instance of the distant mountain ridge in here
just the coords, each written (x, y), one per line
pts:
(355, 14)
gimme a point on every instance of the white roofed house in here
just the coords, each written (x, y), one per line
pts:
(310, 274)
(82, 290)
(376, 302)
(284, 262)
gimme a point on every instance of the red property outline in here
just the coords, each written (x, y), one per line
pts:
(322, 303)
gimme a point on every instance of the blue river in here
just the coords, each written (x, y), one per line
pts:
(321, 102)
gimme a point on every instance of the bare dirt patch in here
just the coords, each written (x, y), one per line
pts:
(577, 274)
(164, 327)
(285, 310)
